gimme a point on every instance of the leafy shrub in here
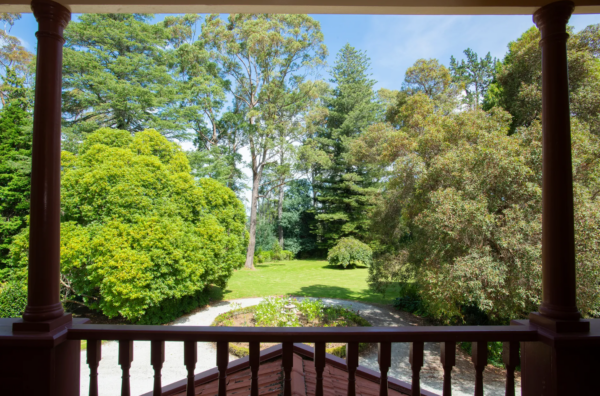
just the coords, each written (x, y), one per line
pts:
(287, 255)
(350, 251)
(494, 352)
(140, 237)
(276, 249)
(271, 312)
(265, 256)
(171, 309)
(13, 299)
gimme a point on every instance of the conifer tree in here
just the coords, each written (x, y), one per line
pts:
(345, 190)
(15, 161)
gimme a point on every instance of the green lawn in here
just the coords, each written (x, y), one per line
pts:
(312, 278)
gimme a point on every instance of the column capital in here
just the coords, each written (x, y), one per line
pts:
(51, 11)
(554, 14)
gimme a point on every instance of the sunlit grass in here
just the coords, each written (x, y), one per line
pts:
(311, 278)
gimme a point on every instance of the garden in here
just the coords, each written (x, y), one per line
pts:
(283, 311)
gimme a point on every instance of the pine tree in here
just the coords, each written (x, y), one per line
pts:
(345, 190)
(15, 162)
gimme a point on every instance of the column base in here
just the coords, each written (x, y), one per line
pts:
(560, 326)
(41, 327)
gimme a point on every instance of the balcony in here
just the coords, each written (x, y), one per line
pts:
(557, 350)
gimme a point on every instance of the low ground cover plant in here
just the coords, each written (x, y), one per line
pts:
(285, 311)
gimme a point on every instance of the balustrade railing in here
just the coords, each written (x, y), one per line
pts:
(511, 336)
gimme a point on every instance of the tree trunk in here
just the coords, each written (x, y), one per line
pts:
(280, 214)
(253, 210)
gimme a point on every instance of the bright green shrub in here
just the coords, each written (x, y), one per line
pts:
(140, 238)
(350, 251)
(265, 256)
(13, 299)
(277, 250)
(286, 255)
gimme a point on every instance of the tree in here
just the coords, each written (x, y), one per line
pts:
(461, 211)
(345, 190)
(15, 162)
(267, 57)
(475, 74)
(518, 82)
(140, 238)
(117, 73)
(427, 76)
(13, 56)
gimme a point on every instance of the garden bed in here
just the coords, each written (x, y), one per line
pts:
(289, 312)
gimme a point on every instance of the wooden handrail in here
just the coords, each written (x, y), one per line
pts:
(383, 336)
(308, 334)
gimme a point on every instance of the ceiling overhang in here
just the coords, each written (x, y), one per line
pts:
(380, 7)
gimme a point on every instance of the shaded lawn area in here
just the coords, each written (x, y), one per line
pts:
(309, 278)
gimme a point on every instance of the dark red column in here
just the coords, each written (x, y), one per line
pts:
(43, 302)
(558, 236)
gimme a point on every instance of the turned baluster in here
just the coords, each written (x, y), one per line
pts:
(319, 366)
(384, 358)
(157, 358)
(222, 362)
(94, 354)
(190, 357)
(288, 363)
(448, 359)
(479, 355)
(254, 367)
(125, 359)
(510, 357)
(416, 362)
(352, 363)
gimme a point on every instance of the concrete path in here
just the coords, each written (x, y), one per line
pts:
(142, 373)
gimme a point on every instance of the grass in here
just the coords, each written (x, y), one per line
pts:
(308, 278)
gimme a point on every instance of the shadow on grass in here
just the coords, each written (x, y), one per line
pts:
(328, 291)
(339, 267)
(216, 294)
(272, 264)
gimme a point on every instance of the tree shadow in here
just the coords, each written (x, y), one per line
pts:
(216, 294)
(272, 264)
(327, 291)
(339, 267)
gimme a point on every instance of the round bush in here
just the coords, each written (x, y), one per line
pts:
(13, 299)
(350, 251)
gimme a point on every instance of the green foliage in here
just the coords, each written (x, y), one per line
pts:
(171, 309)
(462, 212)
(267, 55)
(350, 252)
(140, 238)
(494, 352)
(118, 72)
(474, 74)
(344, 189)
(13, 299)
(271, 312)
(271, 316)
(15, 162)
(519, 79)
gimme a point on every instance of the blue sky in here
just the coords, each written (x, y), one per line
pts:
(394, 42)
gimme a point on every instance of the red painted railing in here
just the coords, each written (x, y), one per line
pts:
(511, 336)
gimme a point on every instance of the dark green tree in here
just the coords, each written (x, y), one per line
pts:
(15, 162)
(117, 73)
(518, 83)
(475, 75)
(345, 190)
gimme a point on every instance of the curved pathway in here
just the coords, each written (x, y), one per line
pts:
(142, 373)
